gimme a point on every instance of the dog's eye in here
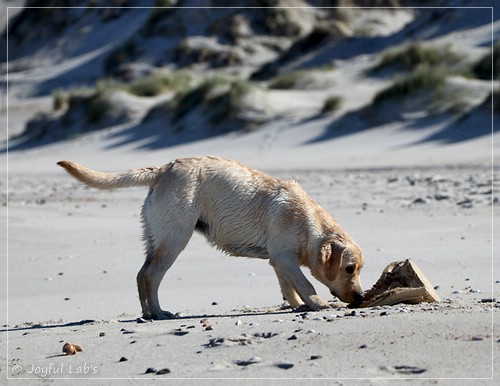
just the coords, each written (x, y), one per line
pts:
(349, 269)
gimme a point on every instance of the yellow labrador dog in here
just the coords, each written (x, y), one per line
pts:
(243, 212)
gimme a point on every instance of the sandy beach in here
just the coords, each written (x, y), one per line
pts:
(406, 188)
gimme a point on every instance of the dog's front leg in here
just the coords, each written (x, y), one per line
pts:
(289, 293)
(288, 269)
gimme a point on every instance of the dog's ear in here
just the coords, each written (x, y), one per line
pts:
(331, 259)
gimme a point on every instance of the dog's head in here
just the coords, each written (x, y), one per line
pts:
(341, 264)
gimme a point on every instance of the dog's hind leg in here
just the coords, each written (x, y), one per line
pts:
(141, 286)
(163, 257)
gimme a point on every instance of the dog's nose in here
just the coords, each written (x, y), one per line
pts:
(358, 299)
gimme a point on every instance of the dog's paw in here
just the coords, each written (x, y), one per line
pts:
(163, 315)
(315, 303)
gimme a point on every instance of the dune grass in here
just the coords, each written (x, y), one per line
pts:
(415, 55)
(423, 77)
(219, 96)
(331, 104)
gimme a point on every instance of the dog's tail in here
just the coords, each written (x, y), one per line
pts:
(110, 181)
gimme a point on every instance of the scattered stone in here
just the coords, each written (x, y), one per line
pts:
(71, 348)
(150, 370)
(293, 337)
(363, 346)
(440, 196)
(265, 335)
(315, 357)
(474, 291)
(214, 342)
(419, 200)
(411, 180)
(242, 340)
(163, 371)
(125, 332)
(465, 203)
(101, 334)
(251, 361)
(180, 333)
(214, 303)
(409, 369)
(123, 359)
(238, 323)
(284, 366)
(206, 324)
(477, 338)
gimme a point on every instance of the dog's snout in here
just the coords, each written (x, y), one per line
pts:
(357, 300)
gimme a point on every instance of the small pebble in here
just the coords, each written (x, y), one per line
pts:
(477, 338)
(284, 366)
(150, 370)
(293, 337)
(123, 359)
(314, 357)
(238, 323)
(251, 361)
(101, 334)
(163, 371)
(363, 346)
(214, 303)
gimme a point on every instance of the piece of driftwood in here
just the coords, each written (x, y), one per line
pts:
(400, 282)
